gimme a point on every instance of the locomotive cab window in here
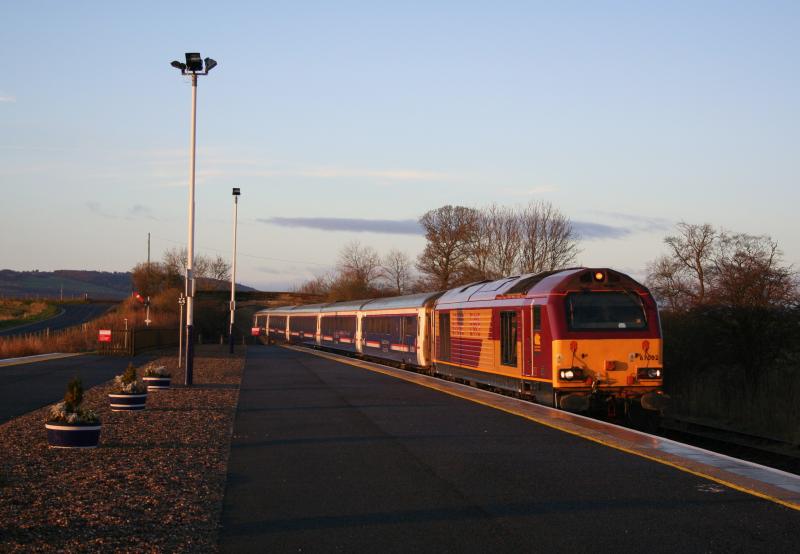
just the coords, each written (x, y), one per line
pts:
(508, 338)
(606, 311)
(537, 318)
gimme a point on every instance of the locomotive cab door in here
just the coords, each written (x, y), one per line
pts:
(510, 343)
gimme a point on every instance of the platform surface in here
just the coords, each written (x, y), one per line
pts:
(327, 457)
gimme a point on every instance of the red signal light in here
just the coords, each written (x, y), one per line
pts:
(138, 297)
(573, 346)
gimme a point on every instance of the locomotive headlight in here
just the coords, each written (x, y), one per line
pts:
(649, 373)
(570, 374)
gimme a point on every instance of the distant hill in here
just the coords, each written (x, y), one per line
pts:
(98, 285)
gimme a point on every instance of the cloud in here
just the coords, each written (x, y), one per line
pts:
(7, 98)
(542, 189)
(168, 167)
(587, 230)
(388, 226)
(97, 209)
(392, 174)
(640, 223)
(292, 270)
(137, 211)
(598, 231)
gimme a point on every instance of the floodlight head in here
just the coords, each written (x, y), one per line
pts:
(236, 191)
(178, 65)
(210, 64)
(194, 62)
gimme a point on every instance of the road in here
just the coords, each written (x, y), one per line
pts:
(27, 387)
(327, 457)
(72, 314)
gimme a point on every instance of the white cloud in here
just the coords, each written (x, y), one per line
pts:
(7, 98)
(541, 189)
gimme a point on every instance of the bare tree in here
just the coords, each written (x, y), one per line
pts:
(219, 269)
(450, 233)
(360, 263)
(548, 240)
(175, 260)
(357, 272)
(477, 266)
(693, 247)
(747, 271)
(667, 279)
(150, 279)
(319, 285)
(504, 232)
(709, 266)
(396, 270)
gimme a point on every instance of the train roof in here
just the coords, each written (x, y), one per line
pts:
(275, 310)
(398, 302)
(532, 284)
(305, 308)
(344, 306)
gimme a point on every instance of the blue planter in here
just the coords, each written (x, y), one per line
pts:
(64, 435)
(127, 402)
(157, 383)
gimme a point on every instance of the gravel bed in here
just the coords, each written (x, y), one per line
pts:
(155, 483)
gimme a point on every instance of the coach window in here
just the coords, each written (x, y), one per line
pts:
(410, 327)
(508, 338)
(537, 318)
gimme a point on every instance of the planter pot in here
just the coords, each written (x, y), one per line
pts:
(157, 383)
(64, 435)
(127, 402)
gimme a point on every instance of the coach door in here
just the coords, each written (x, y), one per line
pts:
(444, 337)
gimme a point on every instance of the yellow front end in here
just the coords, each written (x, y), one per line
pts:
(618, 368)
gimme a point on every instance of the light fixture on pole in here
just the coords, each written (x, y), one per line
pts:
(236, 194)
(193, 67)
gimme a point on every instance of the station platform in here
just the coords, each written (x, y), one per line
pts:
(331, 455)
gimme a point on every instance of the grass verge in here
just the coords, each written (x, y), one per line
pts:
(21, 312)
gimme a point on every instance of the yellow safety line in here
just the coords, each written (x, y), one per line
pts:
(441, 388)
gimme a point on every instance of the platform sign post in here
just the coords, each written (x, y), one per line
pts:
(181, 303)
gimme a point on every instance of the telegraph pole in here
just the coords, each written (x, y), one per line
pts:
(236, 194)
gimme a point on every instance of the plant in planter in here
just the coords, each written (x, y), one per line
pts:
(157, 378)
(128, 393)
(69, 424)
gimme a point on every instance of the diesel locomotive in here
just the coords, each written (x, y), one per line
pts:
(580, 339)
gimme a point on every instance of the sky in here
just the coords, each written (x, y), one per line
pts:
(345, 121)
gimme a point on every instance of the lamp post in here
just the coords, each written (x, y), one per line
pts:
(236, 194)
(194, 66)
